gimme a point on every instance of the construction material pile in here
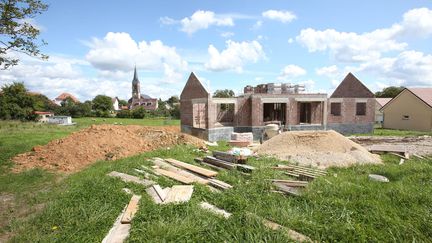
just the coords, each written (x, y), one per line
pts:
(322, 149)
(101, 142)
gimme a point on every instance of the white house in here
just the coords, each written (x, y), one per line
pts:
(43, 115)
(115, 102)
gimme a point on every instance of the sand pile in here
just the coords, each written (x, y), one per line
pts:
(101, 142)
(317, 148)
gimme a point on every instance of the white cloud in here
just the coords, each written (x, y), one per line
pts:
(119, 52)
(227, 34)
(291, 71)
(330, 71)
(203, 20)
(257, 25)
(354, 47)
(279, 15)
(168, 21)
(235, 56)
(409, 68)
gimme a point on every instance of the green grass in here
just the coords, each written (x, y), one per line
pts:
(343, 206)
(401, 133)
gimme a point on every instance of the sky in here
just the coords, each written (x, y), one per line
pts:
(94, 45)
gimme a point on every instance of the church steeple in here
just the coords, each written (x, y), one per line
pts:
(136, 92)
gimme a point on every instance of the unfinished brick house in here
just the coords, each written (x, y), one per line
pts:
(350, 109)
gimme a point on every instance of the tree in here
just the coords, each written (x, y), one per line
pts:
(102, 103)
(389, 92)
(173, 100)
(16, 103)
(138, 113)
(223, 93)
(18, 34)
(123, 103)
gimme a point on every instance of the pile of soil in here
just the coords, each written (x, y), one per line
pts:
(317, 148)
(101, 142)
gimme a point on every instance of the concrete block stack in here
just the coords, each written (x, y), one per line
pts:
(241, 139)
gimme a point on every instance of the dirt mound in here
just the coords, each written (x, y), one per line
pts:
(101, 142)
(317, 148)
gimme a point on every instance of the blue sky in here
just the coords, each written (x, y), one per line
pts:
(94, 45)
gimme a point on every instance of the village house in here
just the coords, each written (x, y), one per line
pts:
(43, 116)
(115, 102)
(350, 109)
(63, 97)
(138, 99)
(380, 102)
(411, 109)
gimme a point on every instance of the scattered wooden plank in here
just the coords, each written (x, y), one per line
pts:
(294, 235)
(291, 183)
(119, 232)
(287, 189)
(193, 168)
(179, 194)
(174, 176)
(131, 210)
(387, 148)
(164, 165)
(291, 174)
(213, 166)
(129, 178)
(303, 169)
(157, 193)
(407, 155)
(220, 184)
(306, 177)
(150, 170)
(215, 210)
(418, 156)
(220, 163)
(398, 155)
(225, 156)
(245, 168)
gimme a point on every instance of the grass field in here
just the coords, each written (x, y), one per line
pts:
(342, 206)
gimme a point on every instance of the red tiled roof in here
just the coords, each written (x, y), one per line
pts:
(382, 101)
(43, 112)
(63, 96)
(424, 94)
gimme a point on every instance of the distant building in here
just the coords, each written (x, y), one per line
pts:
(63, 96)
(380, 102)
(60, 120)
(115, 102)
(43, 115)
(139, 99)
(411, 109)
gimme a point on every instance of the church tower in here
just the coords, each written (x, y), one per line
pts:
(136, 91)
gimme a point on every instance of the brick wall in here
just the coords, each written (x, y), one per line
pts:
(348, 111)
(243, 112)
(316, 113)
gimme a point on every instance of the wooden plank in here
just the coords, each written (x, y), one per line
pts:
(291, 174)
(398, 155)
(119, 232)
(175, 176)
(287, 189)
(179, 194)
(215, 210)
(304, 169)
(153, 194)
(193, 168)
(245, 168)
(214, 161)
(292, 234)
(164, 165)
(219, 184)
(213, 166)
(387, 148)
(292, 183)
(129, 178)
(418, 156)
(225, 156)
(131, 210)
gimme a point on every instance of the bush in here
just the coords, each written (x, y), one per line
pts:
(139, 113)
(123, 114)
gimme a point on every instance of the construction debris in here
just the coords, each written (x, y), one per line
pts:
(193, 168)
(131, 210)
(119, 232)
(129, 178)
(290, 190)
(301, 172)
(378, 178)
(175, 194)
(163, 165)
(228, 165)
(219, 184)
(175, 176)
(320, 149)
(215, 210)
(291, 183)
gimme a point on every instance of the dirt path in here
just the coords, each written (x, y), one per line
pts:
(421, 145)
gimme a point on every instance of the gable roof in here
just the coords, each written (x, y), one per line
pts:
(351, 87)
(193, 87)
(424, 94)
(65, 95)
(382, 101)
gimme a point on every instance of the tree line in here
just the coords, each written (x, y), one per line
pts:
(16, 103)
